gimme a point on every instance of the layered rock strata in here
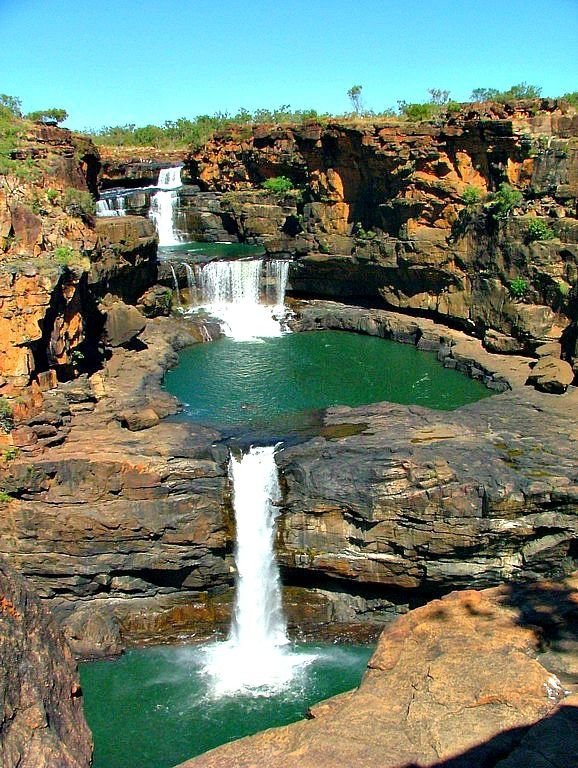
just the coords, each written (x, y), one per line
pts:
(41, 719)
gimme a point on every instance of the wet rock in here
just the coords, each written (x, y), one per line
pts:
(41, 718)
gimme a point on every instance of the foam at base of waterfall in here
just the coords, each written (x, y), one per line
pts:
(244, 322)
(251, 670)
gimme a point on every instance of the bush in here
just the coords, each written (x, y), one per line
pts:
(504, 200)
(79, 202)
(538, 230)
(418, 112)
(278, 184)
(65, 255)
(518, 287)
(52, 194)
(571, 98)
(6, 415)
(471, 195)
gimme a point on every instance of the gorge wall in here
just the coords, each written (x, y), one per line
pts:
(121, 519)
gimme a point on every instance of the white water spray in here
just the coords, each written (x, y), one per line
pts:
(232, 292)
(163, 204)
(255, 659)
(111, 206)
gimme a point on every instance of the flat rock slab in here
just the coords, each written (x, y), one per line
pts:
(455, 680)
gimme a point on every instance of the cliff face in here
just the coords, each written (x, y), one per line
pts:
(55, 264)
(379, 212)
(41, 719)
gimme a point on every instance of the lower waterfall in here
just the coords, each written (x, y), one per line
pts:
(255, 658)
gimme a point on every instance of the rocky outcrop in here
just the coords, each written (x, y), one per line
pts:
(454, 683)
(134, 166)
(134, 524)
(379, 212)
(427, 500)
(41, 719)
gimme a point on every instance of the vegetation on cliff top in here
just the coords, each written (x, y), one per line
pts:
(194, 132)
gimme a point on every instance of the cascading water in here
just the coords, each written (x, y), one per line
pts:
(111, 206)
(163, 204)
(176, 284)
(255, 659)
(231, 291)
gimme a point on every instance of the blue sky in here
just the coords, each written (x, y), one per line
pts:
(110, 62)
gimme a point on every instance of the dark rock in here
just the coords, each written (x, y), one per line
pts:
(41, 718)
(123, 323)
(93, 633)
(156, 302)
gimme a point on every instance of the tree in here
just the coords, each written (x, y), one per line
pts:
(484, 94)
(438, 96)
(53, 115)
(11, 103)
(354, 94)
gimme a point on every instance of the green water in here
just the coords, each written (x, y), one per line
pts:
(281, 380)
(202, 252)
(152, 708)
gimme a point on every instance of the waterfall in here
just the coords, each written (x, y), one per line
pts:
(163, 204)
(191, 284)
(231, 291)
(254, 659)
(111, 206)
(176, 283)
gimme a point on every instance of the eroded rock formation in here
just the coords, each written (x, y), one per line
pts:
(41, 719)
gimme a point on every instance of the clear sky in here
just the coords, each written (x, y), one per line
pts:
(110, 62)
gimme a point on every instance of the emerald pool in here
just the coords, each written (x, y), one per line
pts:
(153, 708)
(260, 382)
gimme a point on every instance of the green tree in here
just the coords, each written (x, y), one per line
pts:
(354, 95)
(11, 103)
(53, 115)
(438, 96)
(484, 94)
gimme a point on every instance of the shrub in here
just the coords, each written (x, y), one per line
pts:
(504, 200)
(5, 497)
(11, 453)
(417, 112)
(65, 255)
(6, 415)
(52, 194)
(471, 195)
(538, 230)
(518, 287)
(79, 202)
(278, 184)
(571, 98)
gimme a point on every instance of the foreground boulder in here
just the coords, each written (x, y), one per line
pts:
(41, 720)
(454, 683)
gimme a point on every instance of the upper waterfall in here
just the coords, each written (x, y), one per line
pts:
(164, 203)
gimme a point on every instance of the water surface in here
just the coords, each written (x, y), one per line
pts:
(153, 708)
(262, 382)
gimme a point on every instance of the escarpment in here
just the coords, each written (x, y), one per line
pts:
(120, 517)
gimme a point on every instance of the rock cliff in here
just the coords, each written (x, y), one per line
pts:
(395, 212)
(41, 719)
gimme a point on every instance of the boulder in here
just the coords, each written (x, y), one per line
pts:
(93, 633)
(454, 682)
(550, 374)
(137, 420)
(123, 324)
(550, 349)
